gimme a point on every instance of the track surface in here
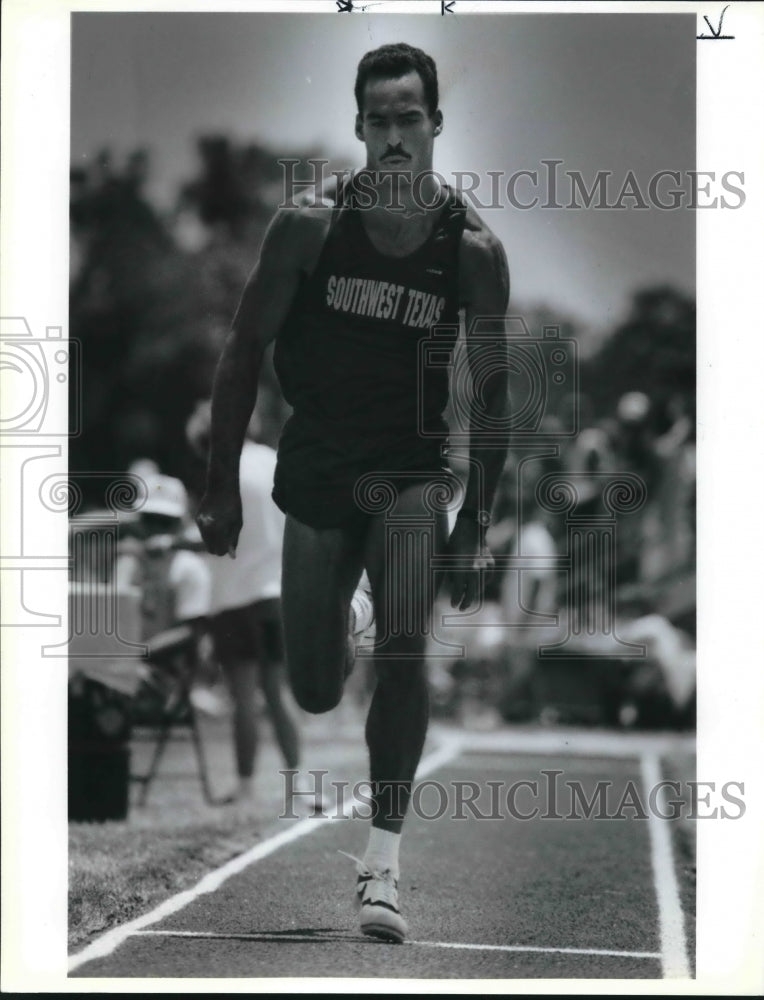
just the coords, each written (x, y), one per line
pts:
(485, 898)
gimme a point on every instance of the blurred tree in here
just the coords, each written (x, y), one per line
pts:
(652, 351)
(239, 187)
(137, 308)
(228, 193)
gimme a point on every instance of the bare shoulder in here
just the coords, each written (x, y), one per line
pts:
(483, 269)
(295, 235)
(481, 253)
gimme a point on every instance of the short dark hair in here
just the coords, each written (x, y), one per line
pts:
(389, 62)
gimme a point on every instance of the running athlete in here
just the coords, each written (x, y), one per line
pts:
(347, 292)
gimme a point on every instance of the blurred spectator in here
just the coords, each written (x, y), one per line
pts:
(144, 468)
(588, 459)
(529, 600)
(669, 542)
(634, 448)
(591, 450)
(661, 691)
(524, 598)
(174, 582)
(634, 435)
(529, 593)
(521, 528)
(141, 471)
(657, 444)
(174, 588)
(246, 606)
(502, 531)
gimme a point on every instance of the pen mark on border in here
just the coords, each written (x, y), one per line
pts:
(716, 34)
(349, 7)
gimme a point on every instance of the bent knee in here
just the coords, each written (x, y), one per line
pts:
(317, 700)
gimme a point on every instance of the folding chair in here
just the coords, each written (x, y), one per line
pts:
(163, 704)
(105, 668)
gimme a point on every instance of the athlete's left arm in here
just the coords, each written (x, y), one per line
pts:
(484, 293)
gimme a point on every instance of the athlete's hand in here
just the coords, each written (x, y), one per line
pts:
(466, 581)
(219, 520)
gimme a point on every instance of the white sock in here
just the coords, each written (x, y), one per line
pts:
(382, 851)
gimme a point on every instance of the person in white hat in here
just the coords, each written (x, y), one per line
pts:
(175, 582)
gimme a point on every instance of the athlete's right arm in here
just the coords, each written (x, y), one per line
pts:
(264, 305)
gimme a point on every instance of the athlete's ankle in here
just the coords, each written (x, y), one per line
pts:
(382, 851)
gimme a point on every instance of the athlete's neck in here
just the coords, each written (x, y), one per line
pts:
(403, 193)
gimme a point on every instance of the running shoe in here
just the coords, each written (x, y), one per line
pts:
(377, 898)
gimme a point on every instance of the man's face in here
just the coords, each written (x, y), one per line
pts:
(396, 126)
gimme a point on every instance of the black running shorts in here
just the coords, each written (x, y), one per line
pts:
(341, 484)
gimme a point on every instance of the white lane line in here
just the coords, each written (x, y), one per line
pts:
(671, 919)
(268, 937)
(536, 948)
(112, 939)
(574, 742)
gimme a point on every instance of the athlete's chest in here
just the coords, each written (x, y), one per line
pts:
(354, 279)
(396, 239)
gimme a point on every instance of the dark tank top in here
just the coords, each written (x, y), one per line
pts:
(349, 359)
